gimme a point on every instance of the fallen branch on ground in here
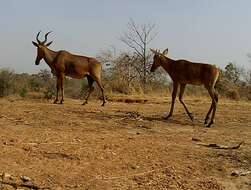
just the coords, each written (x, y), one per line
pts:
(16, 185)
(216, 146)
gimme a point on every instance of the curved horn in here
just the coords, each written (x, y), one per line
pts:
(37, 37)
(45, 36)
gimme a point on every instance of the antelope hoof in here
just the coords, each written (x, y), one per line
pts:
(103, 104)
(167, 117)
(191, 116)
(62, 102)
(206, 120)
(85, 103)
(209, 125)
(55, 101)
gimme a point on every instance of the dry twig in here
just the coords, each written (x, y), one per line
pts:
(216, 146)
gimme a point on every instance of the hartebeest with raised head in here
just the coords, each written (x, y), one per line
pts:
(63, 63)
(184, 72)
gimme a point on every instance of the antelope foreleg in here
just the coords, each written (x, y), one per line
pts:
(174, 94)
(182, 89)
(91, 89)
(208, 113)
(61, 78)
(97, 79)
(58, 86)
(214, 97)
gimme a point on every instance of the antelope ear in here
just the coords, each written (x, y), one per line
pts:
(154, 51)
(48, 43)
(165, 51)
(35, 44)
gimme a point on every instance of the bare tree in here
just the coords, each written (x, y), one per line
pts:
(138, 38)
(234, 73)
(45, 75)
(125, 65)
(249, 57)
(247, 77)
(107, 56)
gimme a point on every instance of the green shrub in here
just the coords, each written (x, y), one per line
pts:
(23, 92)
(48, 94)
(6, 78)
(35, 84)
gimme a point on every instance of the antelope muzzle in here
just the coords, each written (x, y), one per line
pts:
(37, 61)
(152, 68)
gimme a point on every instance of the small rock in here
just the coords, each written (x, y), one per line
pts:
(248, 183)
(27, 123)
(144, 127)
(195, 139)
(6, 175)
(240, 173)
(77, 140)
(234, 174)
(27, 148)
(135, 167)
(25, 178)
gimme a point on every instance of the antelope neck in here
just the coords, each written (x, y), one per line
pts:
(165, 62)
(49, 56)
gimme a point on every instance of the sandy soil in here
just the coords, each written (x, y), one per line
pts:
(123, 145)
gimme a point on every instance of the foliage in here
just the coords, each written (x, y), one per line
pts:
(35, 84)
(45, 75)
(49, 94)
(123, 74)
(6, 78)
(116, 79)
(126, 73)
(138, 38)
(247, 77)
(233, 72)
(23, 92)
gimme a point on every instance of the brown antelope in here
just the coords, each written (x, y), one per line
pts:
(63, 63)
(184, 72)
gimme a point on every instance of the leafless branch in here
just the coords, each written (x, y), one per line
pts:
(138, 38)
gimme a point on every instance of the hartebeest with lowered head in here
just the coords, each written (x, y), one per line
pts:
(63, 63)
(184, 72)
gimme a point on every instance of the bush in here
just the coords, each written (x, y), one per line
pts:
(24, 84)
(49, 85)
(75, 88)
(35, 84)
(48, 94)
(23, 92)
(228, 89)
(233, 94)
(6, 77)
(245, 91)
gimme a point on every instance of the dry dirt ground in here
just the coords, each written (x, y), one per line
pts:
(123, 145)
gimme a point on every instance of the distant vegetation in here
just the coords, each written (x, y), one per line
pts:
(125, 73)
(120, 78)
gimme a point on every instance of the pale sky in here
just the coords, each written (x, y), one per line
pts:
(210, 31)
